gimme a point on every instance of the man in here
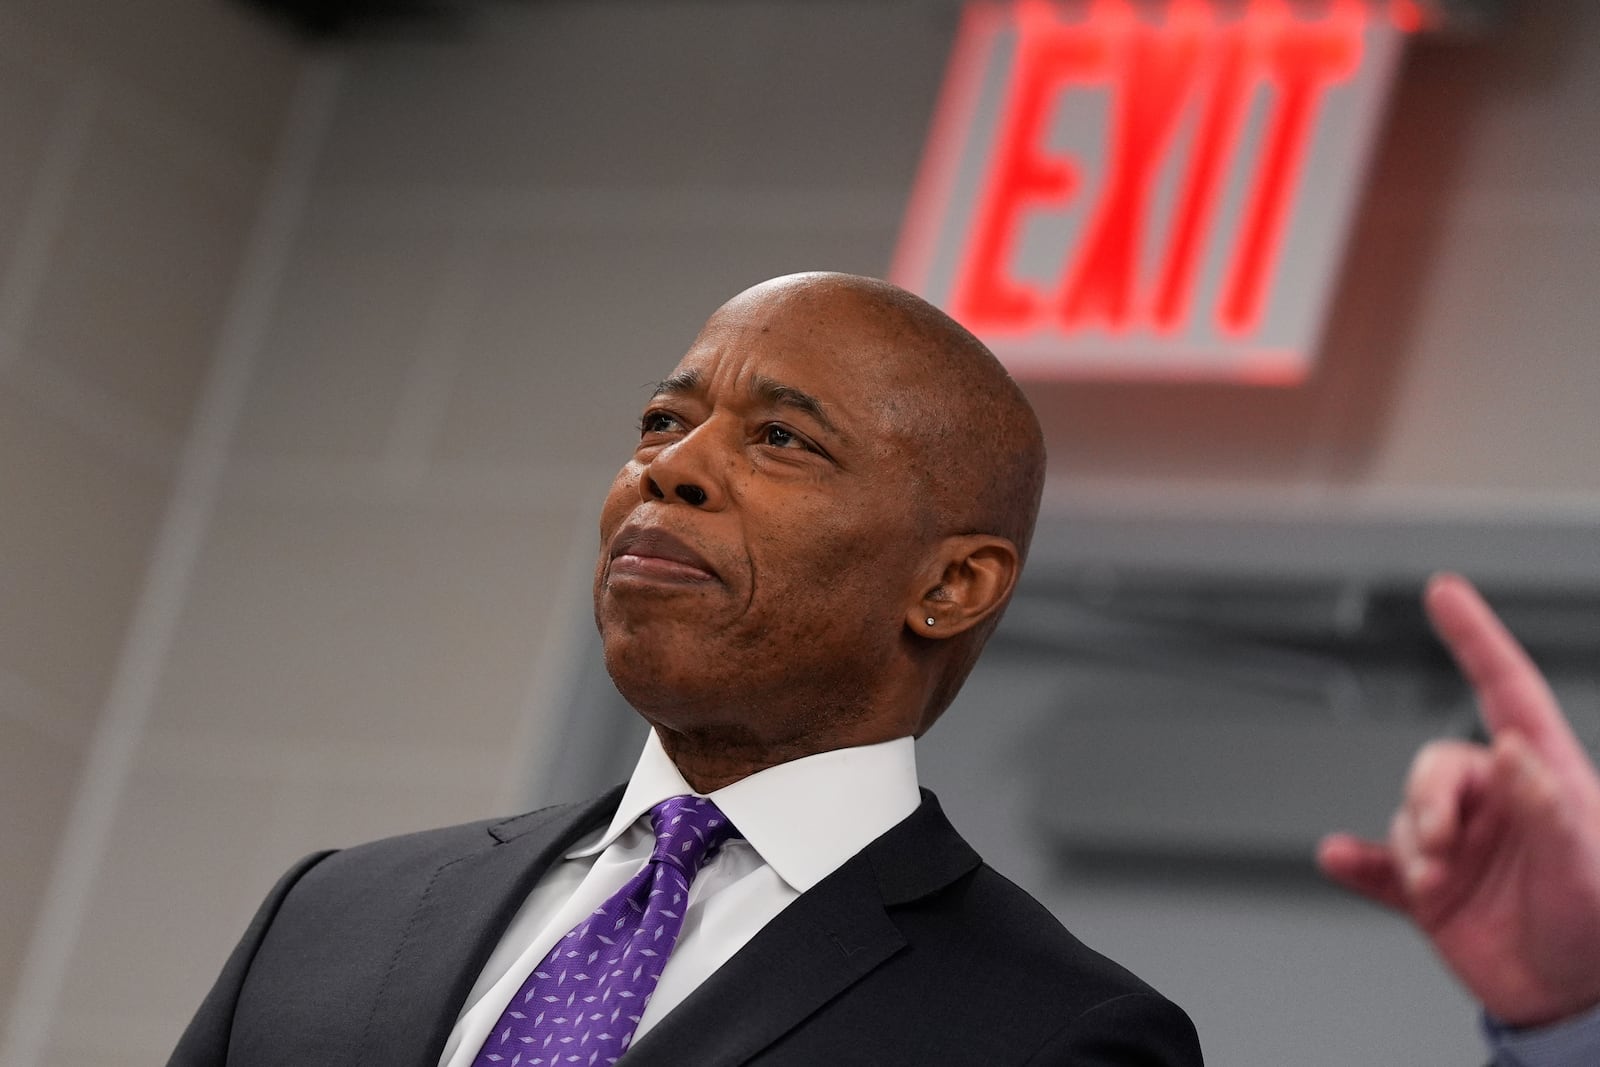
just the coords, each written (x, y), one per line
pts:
(1494, 853)
(827, 510)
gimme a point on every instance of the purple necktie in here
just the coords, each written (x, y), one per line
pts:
(583, 1003)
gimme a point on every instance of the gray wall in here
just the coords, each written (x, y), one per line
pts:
(365, 595)
(135, 140)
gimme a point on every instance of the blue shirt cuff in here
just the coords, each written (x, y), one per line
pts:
(1573, 1042)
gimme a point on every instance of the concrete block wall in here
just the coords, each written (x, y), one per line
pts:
(371, 579)
(134, 139)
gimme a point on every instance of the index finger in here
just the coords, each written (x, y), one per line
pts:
(1512, 694)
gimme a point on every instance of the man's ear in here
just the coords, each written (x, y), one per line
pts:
(971, 577)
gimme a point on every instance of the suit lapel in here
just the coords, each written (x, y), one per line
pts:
(816, 948)
(829, 939)
(460, 912)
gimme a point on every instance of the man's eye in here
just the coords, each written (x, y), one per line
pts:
(657, 422)
(779, 437)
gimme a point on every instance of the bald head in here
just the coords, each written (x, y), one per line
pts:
(970, 440)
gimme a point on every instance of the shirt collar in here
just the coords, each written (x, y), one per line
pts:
(805, 818)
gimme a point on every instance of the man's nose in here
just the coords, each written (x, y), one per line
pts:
(685, 491)
(683, 471)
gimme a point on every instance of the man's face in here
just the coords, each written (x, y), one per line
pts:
(760, 550)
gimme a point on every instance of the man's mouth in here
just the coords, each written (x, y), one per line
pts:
(653, 554)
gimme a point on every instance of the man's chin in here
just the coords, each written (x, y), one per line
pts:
(664, 678)
(652, 616)
(648, 633)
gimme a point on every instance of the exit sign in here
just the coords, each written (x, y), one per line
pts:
(1163, 189)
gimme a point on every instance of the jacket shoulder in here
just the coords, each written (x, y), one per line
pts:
(985, 950)
(1017, 927)
(393, 930)
(956, 908)
(440, 846)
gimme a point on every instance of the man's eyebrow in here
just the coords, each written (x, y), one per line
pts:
(779, 395)
(766, 390)
(676, 385)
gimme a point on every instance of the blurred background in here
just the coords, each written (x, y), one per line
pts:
(323, 328)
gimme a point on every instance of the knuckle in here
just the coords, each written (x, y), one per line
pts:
(1438, 765)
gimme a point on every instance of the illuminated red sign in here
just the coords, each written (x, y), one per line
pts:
(1158, 188)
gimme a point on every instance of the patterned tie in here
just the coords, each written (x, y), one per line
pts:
(583, 1003)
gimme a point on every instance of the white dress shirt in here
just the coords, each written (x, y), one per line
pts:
(800, 822)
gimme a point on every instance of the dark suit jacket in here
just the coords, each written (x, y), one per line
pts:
(913, 952)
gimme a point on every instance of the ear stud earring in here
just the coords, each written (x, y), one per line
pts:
(930, 620)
